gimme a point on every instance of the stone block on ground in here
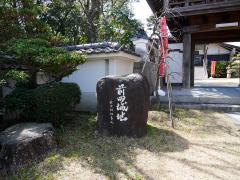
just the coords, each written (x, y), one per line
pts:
(25, 143)
(123, 103)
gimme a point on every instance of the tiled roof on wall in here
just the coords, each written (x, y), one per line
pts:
(100, 48)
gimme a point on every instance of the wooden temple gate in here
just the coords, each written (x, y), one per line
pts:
(199, 21)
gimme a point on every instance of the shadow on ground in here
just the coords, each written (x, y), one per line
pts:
(106, 154)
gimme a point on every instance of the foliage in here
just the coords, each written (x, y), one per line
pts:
(235, 66)
(31, 30)
(31, 33)
(151, 21)
(59, 99)
(19, 76)
(27, 38)
(221, 69)
(91, 20)
(38, 54)
(71, 21)
(119, 27)
(59, 40)
(20, 19)
(17, 100)
(65, 17)
(2, 82)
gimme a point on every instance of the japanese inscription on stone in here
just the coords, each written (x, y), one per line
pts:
(111, 112)
(122, 105)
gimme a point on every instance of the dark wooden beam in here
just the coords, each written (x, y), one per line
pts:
(208, 28)
(208, 8)
(224, 17)
(201, 23)
(232, 35)
(156, 6)
(192, 64)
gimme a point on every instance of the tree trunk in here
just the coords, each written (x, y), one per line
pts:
(33, 78)
(92, 12)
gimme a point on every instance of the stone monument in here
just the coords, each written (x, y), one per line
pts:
(123, 103)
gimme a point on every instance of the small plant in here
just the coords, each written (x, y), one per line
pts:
(235, 66)
(19, 76)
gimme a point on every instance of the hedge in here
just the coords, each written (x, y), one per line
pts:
(221, 69)
(46, 103)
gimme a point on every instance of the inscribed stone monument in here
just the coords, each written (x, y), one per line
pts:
(123, 103)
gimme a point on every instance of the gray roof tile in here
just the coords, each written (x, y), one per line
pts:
(100, 48)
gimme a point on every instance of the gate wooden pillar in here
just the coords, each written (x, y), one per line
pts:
(187, 59)
(192, 64)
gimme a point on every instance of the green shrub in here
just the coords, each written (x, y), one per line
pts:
(235, 73)
(17, 99)
(235, 66)
(46, 103)
(221, 69)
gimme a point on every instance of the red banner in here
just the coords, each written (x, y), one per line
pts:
(163, 45)
(213, 68)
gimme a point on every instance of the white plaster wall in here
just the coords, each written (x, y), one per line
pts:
(176, 46)
(216, 49)
(87, 75)
(213, 49)
(200, 72)
(112, 67)
(91, 71)
(175, 63)
(124, 67)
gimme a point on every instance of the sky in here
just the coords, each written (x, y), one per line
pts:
(142, 11)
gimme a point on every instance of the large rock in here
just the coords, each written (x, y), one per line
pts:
(123, 103)
(25, 143)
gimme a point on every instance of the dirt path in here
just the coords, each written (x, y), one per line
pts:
(204, 159)
(213, 150)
